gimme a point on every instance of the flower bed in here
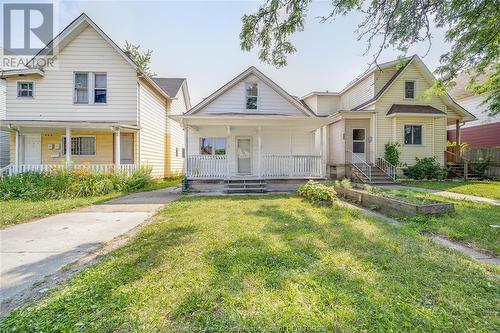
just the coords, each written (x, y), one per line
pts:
(392, 205)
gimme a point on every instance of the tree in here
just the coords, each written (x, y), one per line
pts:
(141, 58)
(473, 31)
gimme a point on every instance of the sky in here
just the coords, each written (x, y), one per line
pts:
(199, 40)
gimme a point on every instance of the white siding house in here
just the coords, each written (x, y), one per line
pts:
(92, 107)
(4, 132)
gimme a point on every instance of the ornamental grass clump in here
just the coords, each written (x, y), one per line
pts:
(317, 193)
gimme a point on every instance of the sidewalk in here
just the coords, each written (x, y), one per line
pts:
(33, 250)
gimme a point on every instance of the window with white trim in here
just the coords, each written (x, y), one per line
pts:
(25, 88)
(80, 145)
(410, 89)
(251, 93)
(213, 146)
(81, 88)
(413, 134)
(90, 88)
(100, 88)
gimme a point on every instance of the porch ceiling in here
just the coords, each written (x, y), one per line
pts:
(61, 125)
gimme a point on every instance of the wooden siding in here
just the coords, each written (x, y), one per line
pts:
(104, 148)
(359, 93)
(153, 123)
(176, 134)
(480, 136)
(395, 95)
(234, 101)
(53, 98)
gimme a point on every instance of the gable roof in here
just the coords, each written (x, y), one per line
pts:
(252, 71)
(170, 85)
(415, 59)
(71, 31)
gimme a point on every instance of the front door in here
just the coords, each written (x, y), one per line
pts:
(126, 149)
(358, 144)
(244, 155)
(32, 149)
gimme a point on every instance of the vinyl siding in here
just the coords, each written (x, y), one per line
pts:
(176, 134)
(328, 104)
(153, 124)
(383, 76)
(359, 93)
(234, 101)
(474, 105)
(4, 132)
(395, 95)
(336, 144)
(53, 98)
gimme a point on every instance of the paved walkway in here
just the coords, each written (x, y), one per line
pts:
(451, 195)
(479, 256)
(31, 251)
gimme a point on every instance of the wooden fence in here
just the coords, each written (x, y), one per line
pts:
(476, 155)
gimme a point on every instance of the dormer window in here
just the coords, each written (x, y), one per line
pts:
(410, 89)
(25, 89)
(251, 96)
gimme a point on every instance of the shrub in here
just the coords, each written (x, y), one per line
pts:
(316, 192)
(63, 183)
(482, 166)
(426, 168)
(391, 153)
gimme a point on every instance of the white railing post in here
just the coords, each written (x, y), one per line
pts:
(68, 147)
(117, 149)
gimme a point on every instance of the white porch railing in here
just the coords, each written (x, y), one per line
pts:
(291, 166)
(13, 169)
(386, 167)
(207, 166)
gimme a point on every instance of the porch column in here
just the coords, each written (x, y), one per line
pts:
(18, 146)
(457, 133)
(68, 146)
(290, 162)
(259, 151)
(321, 151)
(117, 149)
(228, 162)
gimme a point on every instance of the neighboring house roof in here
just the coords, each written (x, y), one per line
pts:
(252, 71)
(413, 109)
(459, 90)
(170, 85)
(72, 31)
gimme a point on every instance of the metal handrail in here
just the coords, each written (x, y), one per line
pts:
(388, 168)
(366, 166)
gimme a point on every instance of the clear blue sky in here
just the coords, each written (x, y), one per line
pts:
(200, 41)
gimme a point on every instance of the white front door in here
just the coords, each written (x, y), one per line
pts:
(126, 149)
(244, 155)
(32, 149)
(358, 144)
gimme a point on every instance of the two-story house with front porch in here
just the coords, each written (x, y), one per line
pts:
(92, 106)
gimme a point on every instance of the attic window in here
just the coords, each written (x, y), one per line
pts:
(251, 96)
(410, 89)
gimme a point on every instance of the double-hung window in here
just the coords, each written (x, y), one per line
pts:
(80, 145)
(410, 89)
(413, 134)
(95, 83)
(251, 93)
(213, 146)
(25, 89)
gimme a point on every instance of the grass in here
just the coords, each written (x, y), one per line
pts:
(471, 223)
(269, 264)
(21, 211)
(408, 196)
(482, 189)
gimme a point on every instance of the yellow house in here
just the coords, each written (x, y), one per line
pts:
(87, 103)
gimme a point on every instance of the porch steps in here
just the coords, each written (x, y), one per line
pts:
(245, 186)
(379, 177)
(457, 170)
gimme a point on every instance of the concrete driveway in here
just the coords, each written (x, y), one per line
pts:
(31, 251)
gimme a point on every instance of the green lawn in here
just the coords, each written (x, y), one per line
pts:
(472, 223)
(271, 264)
(20, 211)
(482, 189)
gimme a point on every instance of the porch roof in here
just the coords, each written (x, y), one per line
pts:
(66, 124)
(307, 123)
